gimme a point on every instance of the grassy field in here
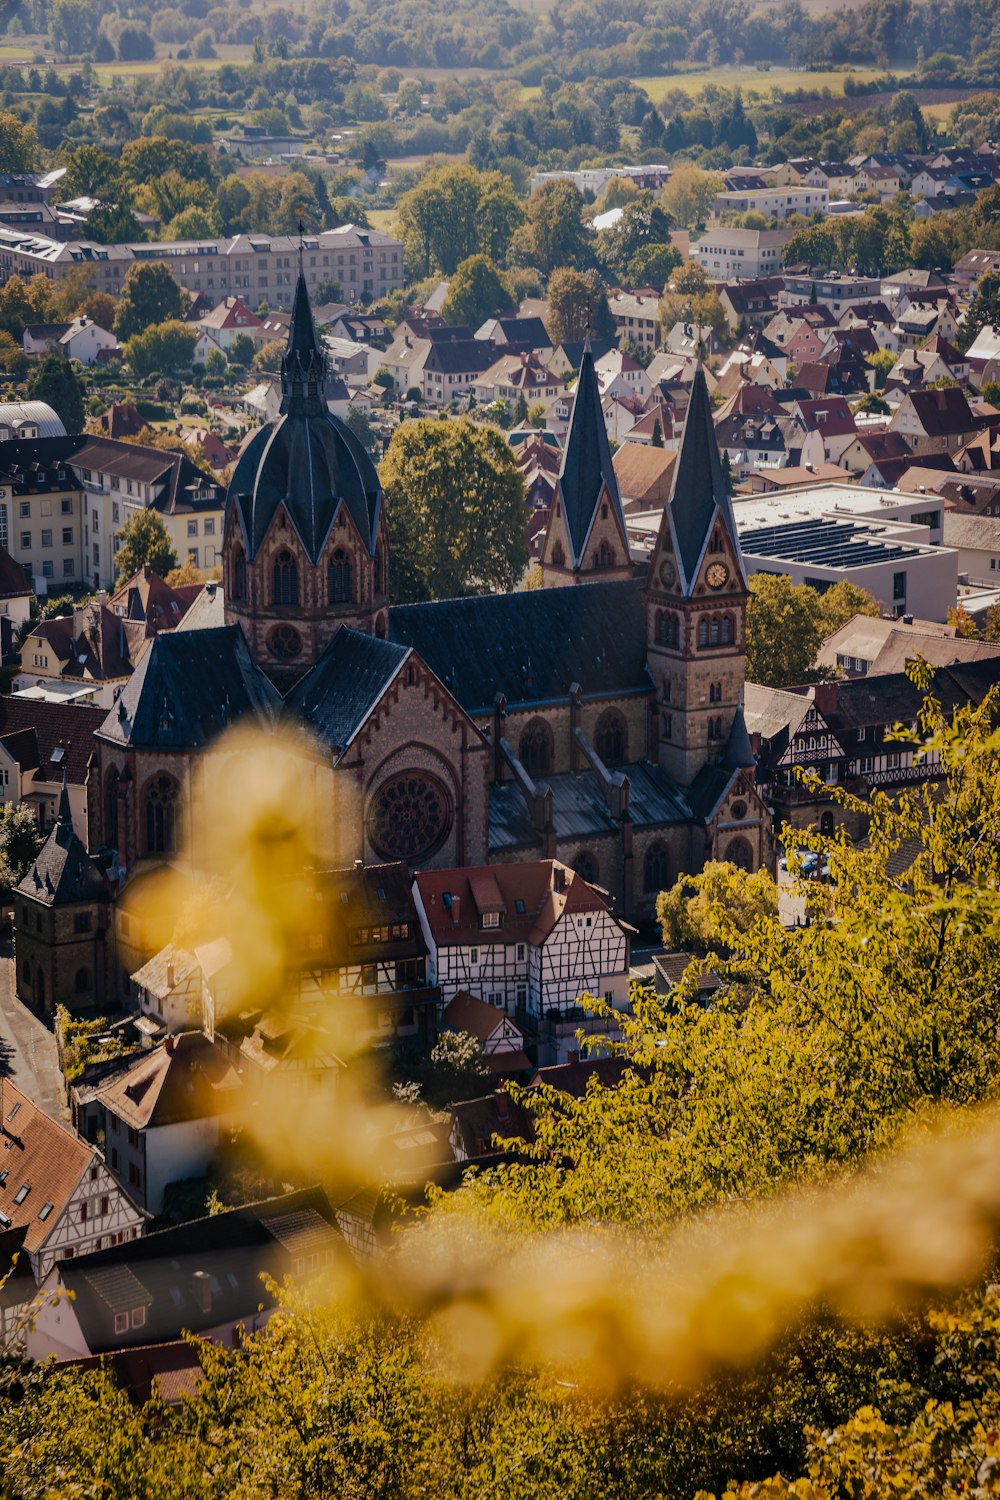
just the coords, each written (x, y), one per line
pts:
(749, 80)
(381, 218)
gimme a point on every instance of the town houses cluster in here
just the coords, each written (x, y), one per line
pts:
(498, 786)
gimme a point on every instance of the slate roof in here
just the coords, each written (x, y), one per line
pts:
(580, 809)
(158, 1270)
(189, 686)
(374, 896)
(306, 460)
(531, 646)
(14, 581)
(336, 695)
(586, 466)
(60, 735)
(698, 493)
(63, 873)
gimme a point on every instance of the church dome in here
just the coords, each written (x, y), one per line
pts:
(306, 459)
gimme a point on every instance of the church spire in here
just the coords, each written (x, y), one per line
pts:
(65, 811)
(699, 494)
(587, 471)
(303, 364)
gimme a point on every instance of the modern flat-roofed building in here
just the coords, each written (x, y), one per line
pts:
(772, 202)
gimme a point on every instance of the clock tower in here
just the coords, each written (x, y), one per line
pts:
(696, 598)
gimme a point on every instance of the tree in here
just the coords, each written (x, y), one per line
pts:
(192, 223)
(690, 193)
(18, 145)
(163, 349)
(457, 510)
(242, 351)
(144, 541)
(20, 841)
(216, 363)
(186, 573)
(438, 219)
(477, 291)
(13, 360)
(577, 301)
(962, 622)
(691, 913)
(149, 295)
(112, 224)
(55, 382)
(101, 307)
(783, 630)
(642, 223)
(691, 298)
(268, 357)
(983, 311)
(459, 1070)
(843, 602)
(135, 44)
(553, 233)
(652, 265)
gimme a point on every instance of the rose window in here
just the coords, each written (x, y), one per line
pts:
(285, 642)
(409, 817)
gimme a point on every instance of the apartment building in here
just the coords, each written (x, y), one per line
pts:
(258, 267)
(773, 202)
(744, 254)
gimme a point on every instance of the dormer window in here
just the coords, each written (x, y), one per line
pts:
(491, 919)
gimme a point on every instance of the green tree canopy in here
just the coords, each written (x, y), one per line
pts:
(553, 233)
(149, 295)
(577, 301)
(457, 510)
(163, 349)
(783, 630)
(144, 541)
(477, 291)
(54, 381)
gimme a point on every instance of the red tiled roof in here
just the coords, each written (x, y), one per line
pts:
(36, 1151)
(188, 1078)
(532, 902)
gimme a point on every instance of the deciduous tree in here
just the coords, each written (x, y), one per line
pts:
(149, 295)
(54, 381)
(783, 630)
(477, 291)
(144, 540)
(577, 301)
(457, 510)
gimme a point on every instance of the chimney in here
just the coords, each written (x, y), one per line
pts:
(169, 1045)
(170, 976)
(573, 1056)
(503, 1106)
(203, 1291)
(456, 908)
(907, 619)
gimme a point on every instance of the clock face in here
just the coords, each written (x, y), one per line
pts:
(668, 574)
(717, 576)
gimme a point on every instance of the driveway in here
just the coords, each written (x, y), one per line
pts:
(27, 1047)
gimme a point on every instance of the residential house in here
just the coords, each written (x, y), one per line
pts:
(750, 304)
(872, 647)
(524, 332)
(934, 421)
(165, 1113)
(838, 177)
(516, 376)
(972, 267)
(62, 919)
(528, 938)
(834, 291)
(977, 541)
(644, 476)
(619, 374)
(211, 1277)
(43, 744)
(230, 318)
(476, 1123)
(833, 419)
(15, 600)
(167, 991)
(493, 1029)
(637, 318)
(92, 650)
(773, 202)
(566, 360)
(56, 1188)
(876, 448)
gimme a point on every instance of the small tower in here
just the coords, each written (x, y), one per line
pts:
(696, 598)
(306, 546)
(586, 540)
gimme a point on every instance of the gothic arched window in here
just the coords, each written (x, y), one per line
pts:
(81, 982)
(739, 852)
(703, 631)
(340, 578)
(656, 869)
(611, 738)
(586, 866)
(160, 809)
(535, 752)
(286, 579)
(558, 555)
(604, 557)
(727, 630)
(715, 630)
(240, 577)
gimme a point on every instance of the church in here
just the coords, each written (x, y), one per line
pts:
(597, 719)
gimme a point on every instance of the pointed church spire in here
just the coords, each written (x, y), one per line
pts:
(586, 464)
(699, 495)
(65, 811)
(303, 364)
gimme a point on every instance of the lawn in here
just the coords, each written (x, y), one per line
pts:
(381, 218)
(749, 80)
